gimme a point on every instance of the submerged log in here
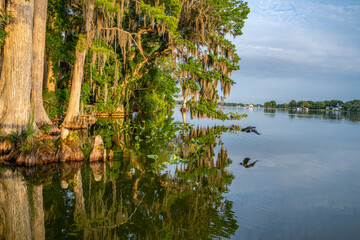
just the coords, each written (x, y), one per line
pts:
(98, 152)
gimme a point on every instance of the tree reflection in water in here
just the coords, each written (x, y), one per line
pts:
(133, 197)
(21, 199)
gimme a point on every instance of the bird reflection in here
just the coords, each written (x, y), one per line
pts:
(245, 163)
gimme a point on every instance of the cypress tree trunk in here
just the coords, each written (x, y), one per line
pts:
(16, 78)
(50, 78)
(39, 31)
(74, 101)
(80, 53)
(2, 8)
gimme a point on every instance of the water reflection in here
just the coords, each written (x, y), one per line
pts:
(21, 201)
(15, 218)
(132, 197)
(325, 115)
(270, 112)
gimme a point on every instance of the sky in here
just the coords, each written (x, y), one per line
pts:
(299, 49)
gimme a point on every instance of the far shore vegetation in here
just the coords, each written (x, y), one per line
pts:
(334, 105)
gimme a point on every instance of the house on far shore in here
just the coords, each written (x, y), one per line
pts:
(336, 108)
(302, 109)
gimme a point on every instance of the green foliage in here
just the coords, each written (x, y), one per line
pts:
(46, 129)
(50, 103)
(138, 50)
(155, 91)
(25, 147)
(207, 56)
(81, 43)
(3, 18)
(30, 125)
(14, 137)
(236, 116)
(28, 145)
(321, 105)
(62, 96)
(232, 13)
(108, 6)
(153, 156)
(85, 93)
(161, 16)
(72, 139)
(207, 109)
(104, 128)
(271, 104)
(353, 105)
(292, 104)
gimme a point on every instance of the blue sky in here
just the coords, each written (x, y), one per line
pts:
(300, 49)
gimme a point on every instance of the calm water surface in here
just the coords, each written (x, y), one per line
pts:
(298, 179)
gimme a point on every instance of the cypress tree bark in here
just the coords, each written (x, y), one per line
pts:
(39, 31)
(16, 81)
(2, 9)
(74, 101)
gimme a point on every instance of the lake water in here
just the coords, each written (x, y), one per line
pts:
(298, 179)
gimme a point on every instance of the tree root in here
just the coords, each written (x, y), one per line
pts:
(41, 150)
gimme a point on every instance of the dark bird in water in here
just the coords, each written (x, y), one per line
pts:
(250, 129)
(246, 164)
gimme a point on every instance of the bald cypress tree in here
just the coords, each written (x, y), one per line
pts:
(16, 81)
(204, 54)
(80, 54)
(22, 68)
(39, 31)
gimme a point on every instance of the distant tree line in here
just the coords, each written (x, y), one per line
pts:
(353, 105)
